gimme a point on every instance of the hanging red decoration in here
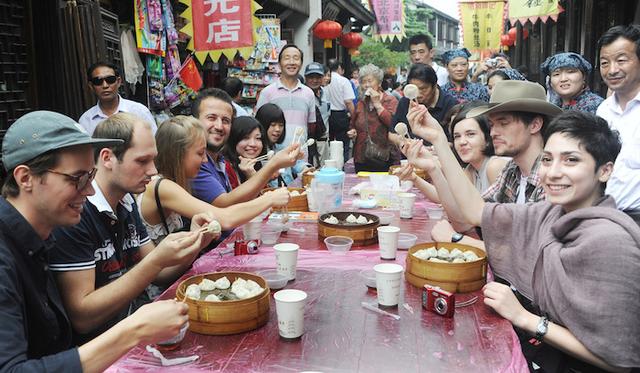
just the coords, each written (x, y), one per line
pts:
(505, 40)
(351, 41)
(525, 34)
(327, 30)
(513, 32)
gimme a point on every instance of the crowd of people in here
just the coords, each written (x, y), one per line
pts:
(98, 216)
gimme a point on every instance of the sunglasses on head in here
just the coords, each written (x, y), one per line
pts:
(109, 79)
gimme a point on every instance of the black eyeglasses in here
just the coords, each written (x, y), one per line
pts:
(82, 180)
(109, 79)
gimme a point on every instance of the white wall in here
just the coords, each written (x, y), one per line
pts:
(303, 35)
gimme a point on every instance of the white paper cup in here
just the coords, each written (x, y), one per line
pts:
(287, 259)
(404, 162)
(435, 213)
(406, 204)
(388, 282)
(388, 241)
(290, 311)
(406, 184)
(252, 230)
(332, 163)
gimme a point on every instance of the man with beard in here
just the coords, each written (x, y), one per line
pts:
(213, 107)
(104, 263)
(620, 69)
(518, 112)
(104, 81)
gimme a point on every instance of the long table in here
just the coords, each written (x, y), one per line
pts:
(340, 335)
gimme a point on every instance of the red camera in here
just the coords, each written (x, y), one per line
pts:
(438, 301)
(246, 247)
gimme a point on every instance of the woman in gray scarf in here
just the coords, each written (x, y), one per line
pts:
(573, 258)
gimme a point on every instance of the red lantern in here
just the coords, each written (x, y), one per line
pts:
(351, 41)
(327, 30)
(505, 40)
(512, 34)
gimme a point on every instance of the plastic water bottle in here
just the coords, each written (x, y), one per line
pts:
(327, 188)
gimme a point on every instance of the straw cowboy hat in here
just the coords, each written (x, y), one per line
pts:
(516, 95)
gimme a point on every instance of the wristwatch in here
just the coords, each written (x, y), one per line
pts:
(542, 328)
(457, 237)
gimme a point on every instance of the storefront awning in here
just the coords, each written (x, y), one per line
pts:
(356, 10)
(300, 6)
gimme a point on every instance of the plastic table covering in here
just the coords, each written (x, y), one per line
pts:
(340, 335)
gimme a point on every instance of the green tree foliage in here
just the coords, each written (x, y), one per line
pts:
(416, 18)
(395, 53)
(379, 54)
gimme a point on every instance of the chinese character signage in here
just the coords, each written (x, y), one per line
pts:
(389, 19)
(221, 27)
(523, 10)
(482, 22)
(150, 36)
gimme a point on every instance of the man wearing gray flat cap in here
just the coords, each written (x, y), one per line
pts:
(50, 165)
(319, 151)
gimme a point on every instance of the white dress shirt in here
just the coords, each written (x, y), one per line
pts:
(338, 91)
(92, 117)
(624, 184)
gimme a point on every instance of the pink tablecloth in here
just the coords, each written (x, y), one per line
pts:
(340, 335)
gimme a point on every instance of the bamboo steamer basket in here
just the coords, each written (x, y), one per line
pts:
(420, 172)
(226, 317)
(452, 277)
(361, 234)
(296, 203)
(307, 177)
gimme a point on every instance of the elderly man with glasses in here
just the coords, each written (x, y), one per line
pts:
(104, 81)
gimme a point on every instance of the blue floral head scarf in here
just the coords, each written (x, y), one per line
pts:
(453, 53)
(513, 74)
(566, 60)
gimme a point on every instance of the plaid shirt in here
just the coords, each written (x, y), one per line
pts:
(505, 189)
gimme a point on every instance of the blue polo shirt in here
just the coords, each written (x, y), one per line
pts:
(35, 333)
(106, 241)
(211, 182)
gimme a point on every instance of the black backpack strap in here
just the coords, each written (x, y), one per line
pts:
(159, 205)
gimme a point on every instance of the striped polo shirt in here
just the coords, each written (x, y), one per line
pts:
(298, 105)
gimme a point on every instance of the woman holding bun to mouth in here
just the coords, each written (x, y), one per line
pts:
(371, 123)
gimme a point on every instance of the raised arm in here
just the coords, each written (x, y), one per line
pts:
(89, 308)
(250, 188)
(174, 198)
(463, 191)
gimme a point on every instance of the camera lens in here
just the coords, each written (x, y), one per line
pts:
(440, 305)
